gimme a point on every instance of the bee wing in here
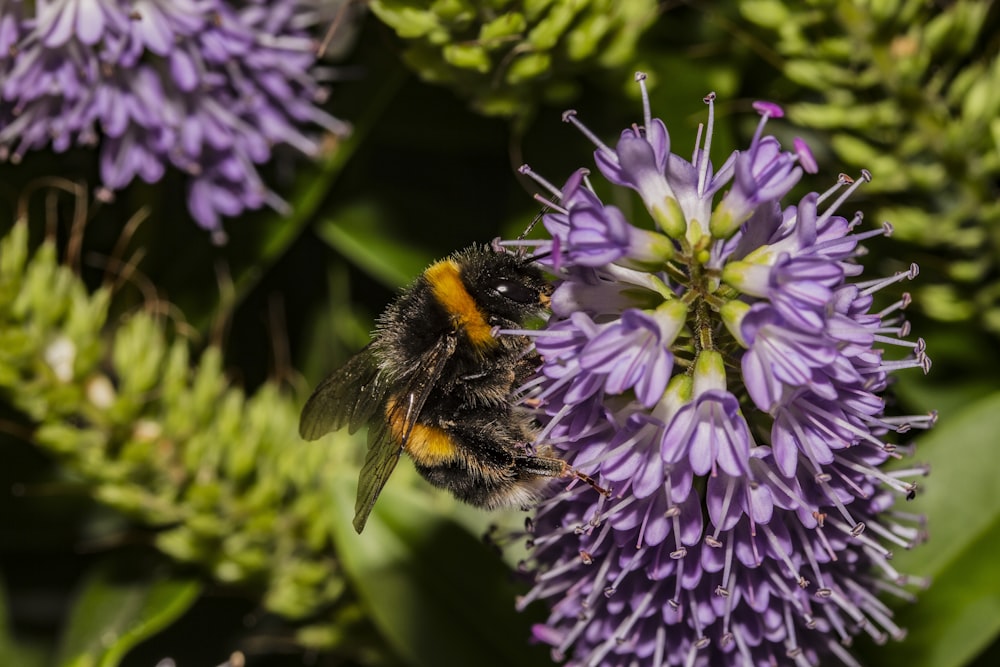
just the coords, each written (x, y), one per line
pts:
(349, 396)
(405, 408)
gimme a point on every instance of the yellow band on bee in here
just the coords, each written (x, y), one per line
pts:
(450, 292)
(427, 445)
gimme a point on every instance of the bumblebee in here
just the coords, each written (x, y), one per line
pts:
(436, 382)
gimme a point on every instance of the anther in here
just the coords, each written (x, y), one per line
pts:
(769, 109)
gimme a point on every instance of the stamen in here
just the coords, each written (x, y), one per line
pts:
(801, 581)
(527, 171)
(569, 116)
(842, 180)
(899, 305)
(870, 287)
(647, 115)
(660, 646)
(726, 502)
(600, 580)
(866, 177)
(625, 627)
(836, 619)
(842, 654)
(885, 230)
(921, 361)
(766, 110)
(792, 649)
(568, 566)
(888, 535)
(810, 553)
(702, 157)
(876, 610)
(531, 333)
(873, 472)
(549, 204)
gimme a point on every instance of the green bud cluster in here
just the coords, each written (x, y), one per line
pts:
(222, 478)
(506, 56)
(908, 90)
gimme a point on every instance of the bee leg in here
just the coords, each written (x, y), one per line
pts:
(543, 466)
(539, 466)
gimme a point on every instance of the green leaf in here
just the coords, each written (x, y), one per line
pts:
(357, 234)
(960, 614)
(960, 496)
(13, 651)
(439, 595)
(113, 613)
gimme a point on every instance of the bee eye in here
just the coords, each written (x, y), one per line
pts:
(515, 291)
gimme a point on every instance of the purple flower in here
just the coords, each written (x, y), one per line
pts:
(209, 87)
(727, 390)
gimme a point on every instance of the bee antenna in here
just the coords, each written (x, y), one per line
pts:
(531, 225)
(499, 246)
(534, 258)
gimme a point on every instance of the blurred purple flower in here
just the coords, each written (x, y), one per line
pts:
(210, 87)
(729, 395)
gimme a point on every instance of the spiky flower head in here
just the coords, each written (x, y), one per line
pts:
(209, 87)
(908, 90)
(720, 370)
(504, 55)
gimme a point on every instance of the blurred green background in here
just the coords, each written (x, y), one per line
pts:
(160, 503)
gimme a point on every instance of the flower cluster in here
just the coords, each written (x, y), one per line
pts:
(719, 371)
(935, 148)
(206, 86)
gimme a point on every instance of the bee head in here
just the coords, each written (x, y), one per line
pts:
(504, 285)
